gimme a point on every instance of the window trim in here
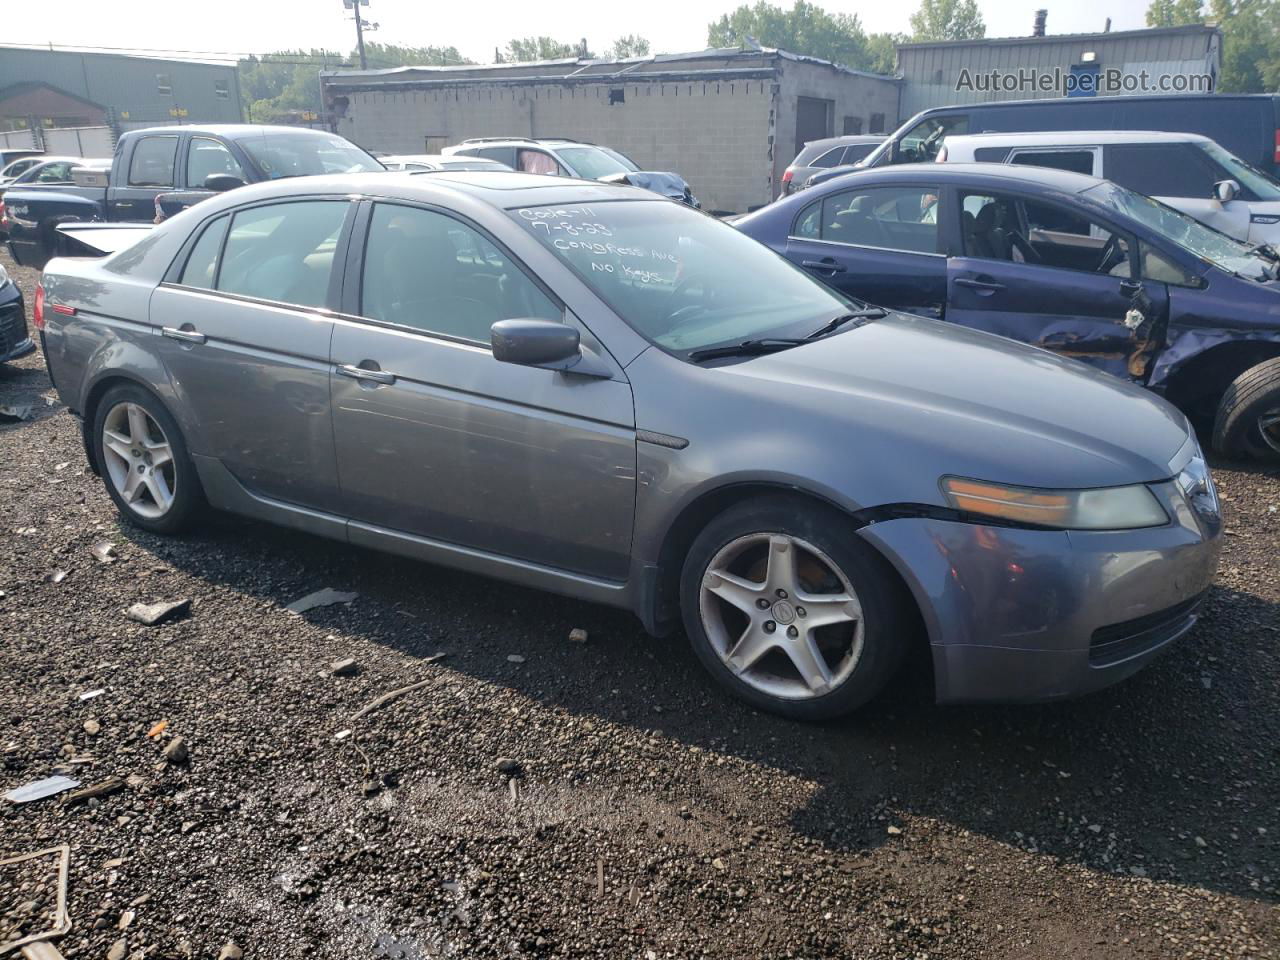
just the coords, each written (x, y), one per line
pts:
(937, 190)
(352, 305)
(1011, 158)
(189, 249)
(173, 163)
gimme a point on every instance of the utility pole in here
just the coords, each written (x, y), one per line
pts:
(364, 64)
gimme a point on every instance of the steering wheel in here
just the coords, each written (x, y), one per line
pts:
(1111, 254)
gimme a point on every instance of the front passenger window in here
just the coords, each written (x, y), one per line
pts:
(433, 273)
(283, 251)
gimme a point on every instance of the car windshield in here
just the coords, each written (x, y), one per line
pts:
(682, 279)
(1251, 178)
(280, 155)
(592, 163)
(1187, 232)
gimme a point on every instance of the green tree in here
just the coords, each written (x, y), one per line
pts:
(1174, 13)
(806, 29)
(1250, 38)
(545, 48)
(883, 51)
(632, 45)
(947, 20)
(382, 55)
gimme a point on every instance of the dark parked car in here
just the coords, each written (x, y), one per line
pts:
(589, 389)
(1064, 261)
(177, 166)
(14, 340)
(821, 156)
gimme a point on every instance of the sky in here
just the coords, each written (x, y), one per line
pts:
(257, 26)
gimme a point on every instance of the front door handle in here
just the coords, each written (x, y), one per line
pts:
(826, 263)
(361, 373)
(987, 286)
(186, 336)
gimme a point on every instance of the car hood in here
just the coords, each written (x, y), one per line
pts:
(668, 184)
(963, 402)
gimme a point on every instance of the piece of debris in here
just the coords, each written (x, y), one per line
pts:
(118, 950)
(34, 945)
(600, 877)
(39, 789)
(515, 658)
(104, 552)
(379, 702)
(15, 413)
(176, 751)
(126, 918)
(90, 694)
(154, 614)
(230, 952)
(719, 863)
(577, 635)
(56, 576)
(101, 789)
(346, 667)
(342, 735)
(321, 598)
(894, 831)
(92, 727)
(158, 729)
(508, 766)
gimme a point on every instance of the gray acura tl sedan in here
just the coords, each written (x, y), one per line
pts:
(590, 389)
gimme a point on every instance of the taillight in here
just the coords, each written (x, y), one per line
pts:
(786, 177)
(37, 310)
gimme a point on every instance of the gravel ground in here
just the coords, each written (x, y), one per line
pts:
(649, 815)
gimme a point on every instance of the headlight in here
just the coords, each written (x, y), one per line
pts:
(1106, 508)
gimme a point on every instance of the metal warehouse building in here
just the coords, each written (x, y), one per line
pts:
(931, 71)
(729, 121)
(61, 88)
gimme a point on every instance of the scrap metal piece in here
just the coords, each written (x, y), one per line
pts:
(321, 598)
(61, 919)
(39, 789)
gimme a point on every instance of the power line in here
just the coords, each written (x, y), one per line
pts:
(227, 56)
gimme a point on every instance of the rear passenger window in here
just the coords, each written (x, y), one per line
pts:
(152, 162)
(1077, 161)
(832, 158)
(202, 265)
(436, 274)
(889, 218)
(283, 251)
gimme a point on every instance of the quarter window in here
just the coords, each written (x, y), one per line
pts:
(152, 162)
(428, 271)
(202, 264)
(1077, 161)
(206, 157)
(889, 218)
(283, 251)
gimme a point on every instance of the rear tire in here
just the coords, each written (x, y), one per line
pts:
(790, 611)
(1248, 422)
(143, 461)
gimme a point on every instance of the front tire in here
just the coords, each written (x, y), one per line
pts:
(1248, 420)
(790, 611)
(143, 460)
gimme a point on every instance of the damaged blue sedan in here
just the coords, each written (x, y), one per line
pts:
(1071, 263)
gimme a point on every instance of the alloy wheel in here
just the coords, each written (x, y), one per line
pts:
(1269, 427)
(781, 616)
(139, 460)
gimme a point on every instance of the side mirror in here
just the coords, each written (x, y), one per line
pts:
(221, 182)
(1226, 190)
(536, 343)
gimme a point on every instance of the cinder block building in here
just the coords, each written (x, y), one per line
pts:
(728, 121)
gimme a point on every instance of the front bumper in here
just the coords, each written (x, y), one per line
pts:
(15, 342)
(1031, 615)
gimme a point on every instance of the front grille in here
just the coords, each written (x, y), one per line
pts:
(13, 328)
(1120, 641)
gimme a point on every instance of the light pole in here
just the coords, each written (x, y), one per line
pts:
(355, 5)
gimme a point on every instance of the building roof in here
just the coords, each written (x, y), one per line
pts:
(1194, 28)
(702, 63)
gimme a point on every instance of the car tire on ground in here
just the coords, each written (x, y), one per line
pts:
(142, 458)
(1248, 420)
(790, 611)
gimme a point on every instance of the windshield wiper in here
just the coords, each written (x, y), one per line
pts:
(747, 348)
(831, 326)
(1265, 250)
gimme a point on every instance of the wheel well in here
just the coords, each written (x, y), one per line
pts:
(1198, 385)
(695, 517)
(96, 393)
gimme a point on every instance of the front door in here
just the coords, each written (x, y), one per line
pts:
(438, 439)
(150, 168)
(246, 344)
(1044, 275)
(878, 244)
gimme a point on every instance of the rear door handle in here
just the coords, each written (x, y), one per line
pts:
(186, 336)
(826, 263)
(988, 285)
(360, 373)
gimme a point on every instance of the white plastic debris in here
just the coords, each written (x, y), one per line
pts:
(39, 789)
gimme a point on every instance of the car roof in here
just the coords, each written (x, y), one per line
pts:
(436, 158)
(1073, 138)
(846, 140)
(500, 189)
(977, 174)
(234, 131)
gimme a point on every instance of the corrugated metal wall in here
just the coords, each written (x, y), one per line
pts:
(932, 71)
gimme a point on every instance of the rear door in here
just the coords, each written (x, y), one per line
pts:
(878, 244)
(149, 167)
(1045, 275)
(245, 333)
(437, 439)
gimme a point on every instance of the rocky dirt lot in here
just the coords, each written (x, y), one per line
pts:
(540, 797)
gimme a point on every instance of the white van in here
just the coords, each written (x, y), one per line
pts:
(1188, 172)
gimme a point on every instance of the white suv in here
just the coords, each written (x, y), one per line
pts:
(1188, 172)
